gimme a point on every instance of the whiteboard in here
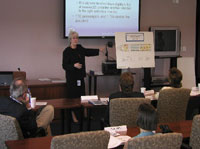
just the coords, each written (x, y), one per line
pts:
(134, 50)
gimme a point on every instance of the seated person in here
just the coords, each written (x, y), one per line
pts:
(126, 91)
(175, 78)
(126, 87)
(17, 105)
(147, 120)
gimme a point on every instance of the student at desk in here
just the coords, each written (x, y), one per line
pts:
(18, 106)
(126, 90)
(126, 87)
(147, 120)
(175, 78)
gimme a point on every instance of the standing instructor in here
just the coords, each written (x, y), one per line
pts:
(74, 65)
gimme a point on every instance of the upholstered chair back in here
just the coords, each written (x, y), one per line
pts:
(158, 141)
(9, 130)
(195, 133)
(172, 104)
(124, 111)
(82, 140)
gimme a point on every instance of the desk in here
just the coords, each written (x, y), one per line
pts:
(183, 127)
(41, 89)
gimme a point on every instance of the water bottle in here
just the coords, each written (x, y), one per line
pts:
(29, 95)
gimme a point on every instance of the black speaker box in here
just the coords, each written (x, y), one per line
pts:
(110, 68)
(6, 77)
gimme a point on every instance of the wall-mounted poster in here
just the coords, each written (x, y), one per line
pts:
(134, 50)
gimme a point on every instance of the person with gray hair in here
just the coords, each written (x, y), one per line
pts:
(18, 106)
(74, 65)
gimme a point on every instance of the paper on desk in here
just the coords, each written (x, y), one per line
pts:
(87, 98)
(150, 97)
(149, 93)
(98, 73)
(44, 79)
(117, 130)
(41, 103)
(104, 99)
(58, 81)
(117, 141)
(194, 93)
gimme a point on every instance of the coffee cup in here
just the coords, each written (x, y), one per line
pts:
(194, 89)
(33, 102)
(199, 86)
(143, 89)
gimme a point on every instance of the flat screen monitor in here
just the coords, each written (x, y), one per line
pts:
(166, 41)
(101, 18)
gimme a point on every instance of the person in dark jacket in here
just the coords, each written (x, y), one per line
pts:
(74, 65)
(18, 106)
(126, 91)
(126, 87)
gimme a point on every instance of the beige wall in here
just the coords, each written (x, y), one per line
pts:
(31, 36)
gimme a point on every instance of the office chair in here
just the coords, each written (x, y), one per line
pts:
(123, 111)
(195, 133)
(157, 141)
(172, 104)
(9, 130)
(82, 140)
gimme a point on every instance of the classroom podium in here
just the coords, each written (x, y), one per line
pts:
(40, 89)
(6, 77)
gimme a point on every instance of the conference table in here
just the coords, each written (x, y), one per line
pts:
(183, 127)
(51, 89)
(66, 105)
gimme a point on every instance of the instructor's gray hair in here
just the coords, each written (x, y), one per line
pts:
(17, 90)
(70, 36)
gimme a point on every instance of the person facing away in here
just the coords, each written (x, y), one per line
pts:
(74, 65)
(147, 120)
(126, 85)
(17, 105)
(175, 77)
